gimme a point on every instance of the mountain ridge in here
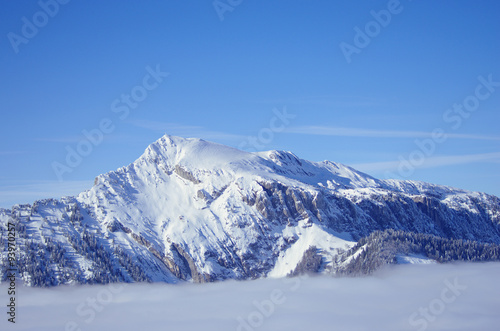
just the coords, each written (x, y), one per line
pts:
(188, 209)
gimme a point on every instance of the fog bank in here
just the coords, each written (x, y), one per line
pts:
(406, 297)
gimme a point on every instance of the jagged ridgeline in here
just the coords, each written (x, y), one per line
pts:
(191, 210)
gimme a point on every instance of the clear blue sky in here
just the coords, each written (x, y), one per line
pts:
(369, 100)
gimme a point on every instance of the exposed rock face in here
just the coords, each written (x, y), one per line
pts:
(190, 210)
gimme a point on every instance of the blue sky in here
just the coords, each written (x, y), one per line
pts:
(406, 89)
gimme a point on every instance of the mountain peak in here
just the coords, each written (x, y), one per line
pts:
(193, 152)
(189, 209)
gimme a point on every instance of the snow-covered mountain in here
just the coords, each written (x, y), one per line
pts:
(189, 209)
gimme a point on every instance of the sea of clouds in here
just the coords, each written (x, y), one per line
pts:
(404, 297)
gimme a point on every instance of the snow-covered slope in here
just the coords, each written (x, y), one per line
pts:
(189, 209)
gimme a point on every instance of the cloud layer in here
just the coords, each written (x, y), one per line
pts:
(430, 297)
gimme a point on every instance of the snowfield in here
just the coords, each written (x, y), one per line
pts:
(405, 297)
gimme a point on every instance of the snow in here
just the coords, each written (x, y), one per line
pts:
(326, 242)
(197, 195)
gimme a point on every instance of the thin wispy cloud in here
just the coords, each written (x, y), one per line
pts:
(11, 152)
(61, 139)
(370, 133)
(108, 138)
(29, 191)
(186, 130)
(343, 101)
(430, 162)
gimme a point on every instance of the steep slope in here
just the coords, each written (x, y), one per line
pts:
(188, 209)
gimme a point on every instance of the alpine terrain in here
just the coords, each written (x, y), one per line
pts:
(192, 210)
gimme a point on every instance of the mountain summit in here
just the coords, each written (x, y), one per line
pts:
(193, 210)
